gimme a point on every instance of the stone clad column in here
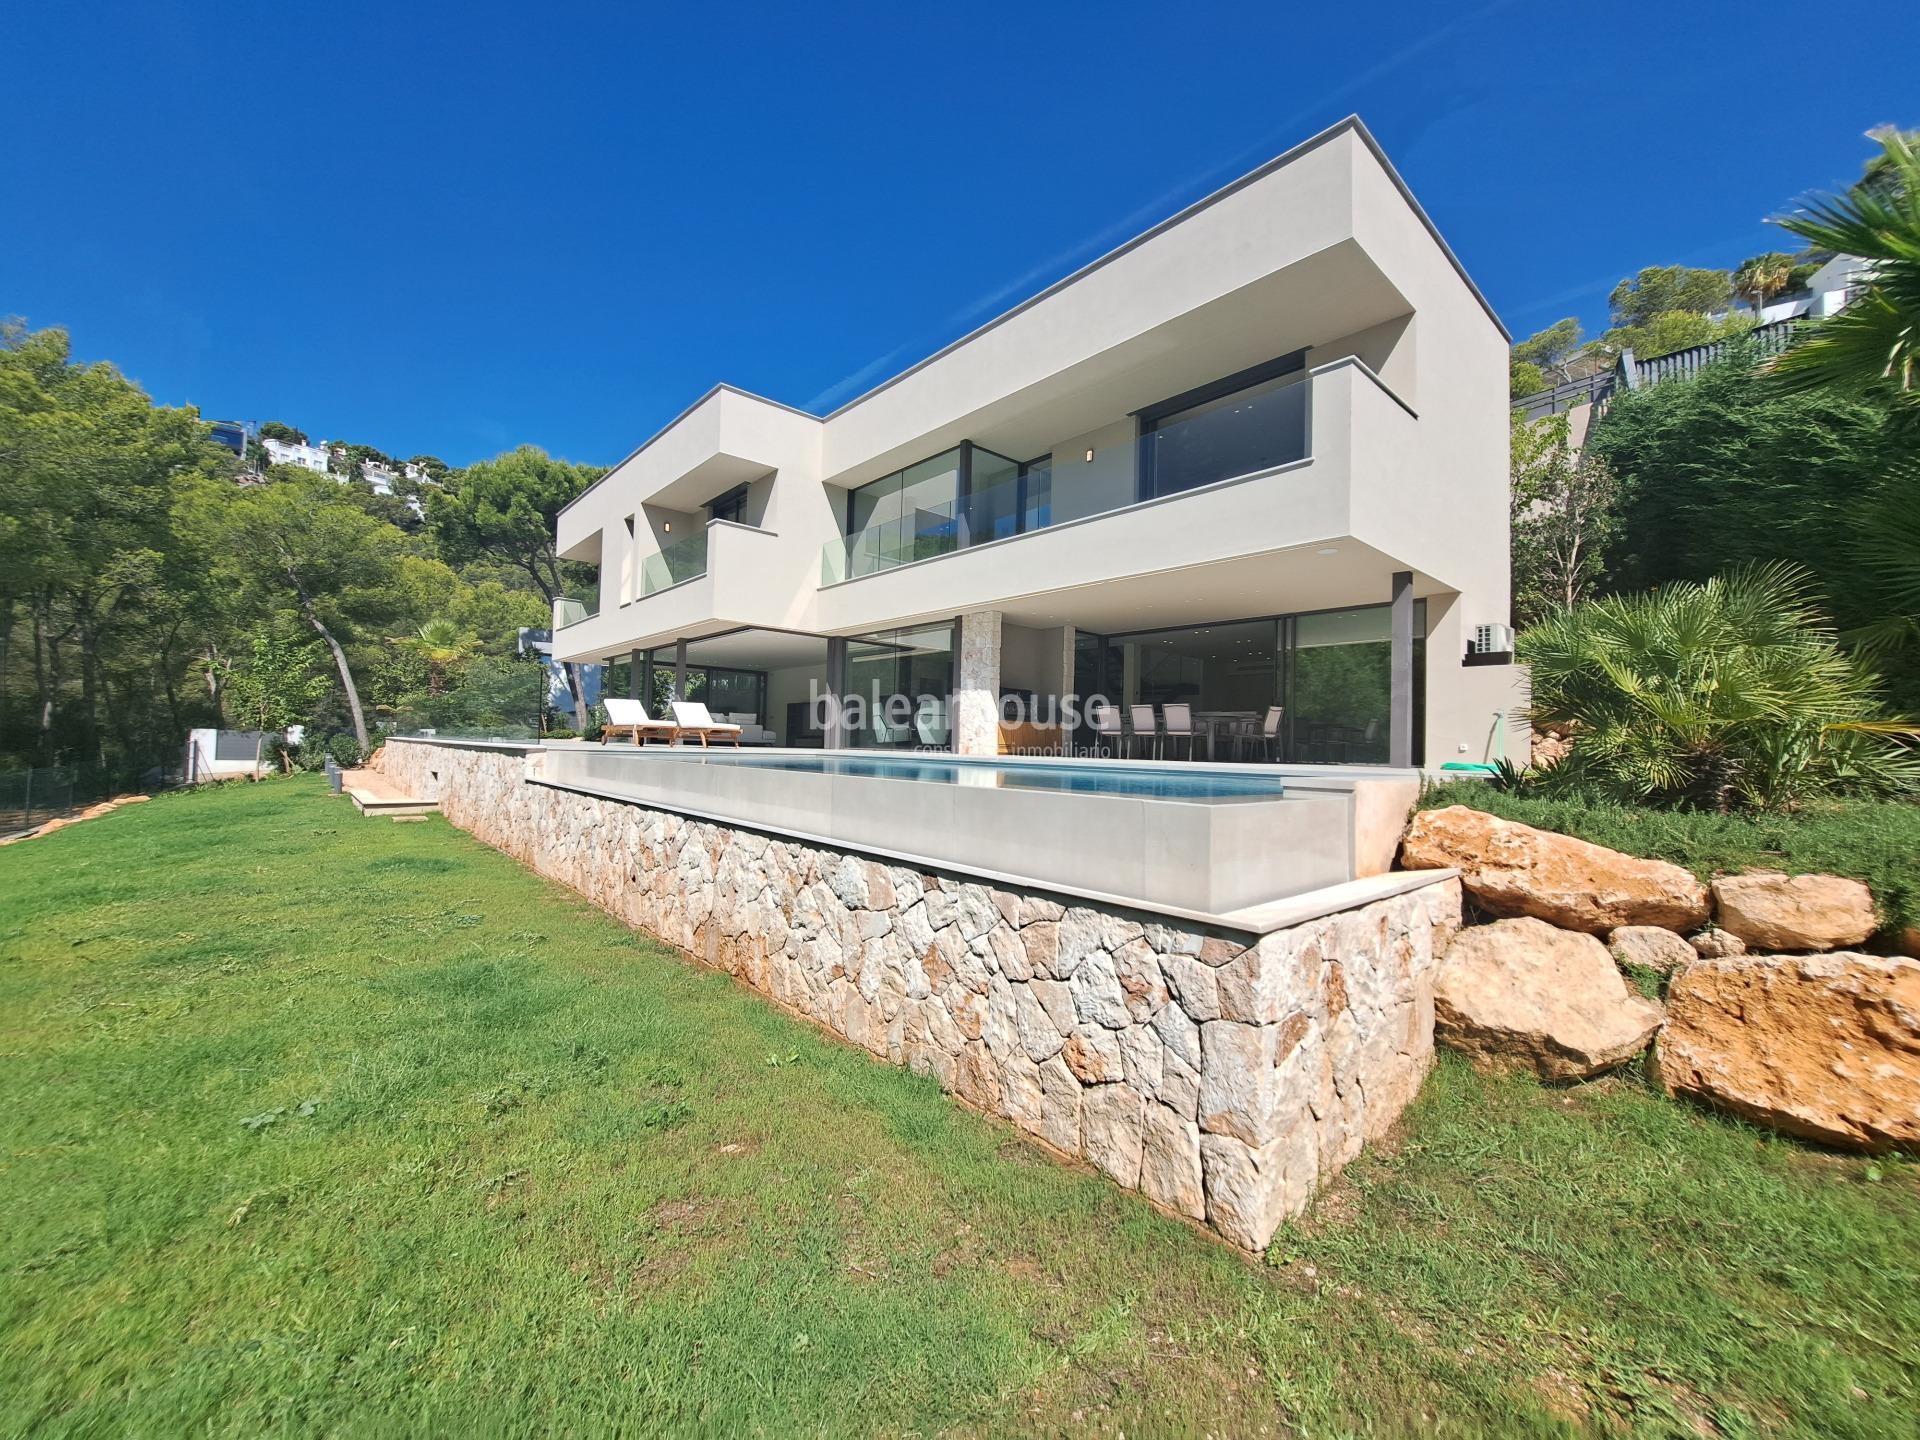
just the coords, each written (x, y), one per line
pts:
(976, 684)
(1069, 645)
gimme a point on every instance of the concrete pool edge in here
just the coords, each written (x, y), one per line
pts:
(1375, 808)
(1255, 920)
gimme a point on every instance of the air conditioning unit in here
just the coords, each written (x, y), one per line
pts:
(1492, 640)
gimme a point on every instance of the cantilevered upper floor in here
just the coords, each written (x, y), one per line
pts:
(1272, 402)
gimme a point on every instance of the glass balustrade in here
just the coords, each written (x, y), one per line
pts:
(1245, 433)
(679, 562)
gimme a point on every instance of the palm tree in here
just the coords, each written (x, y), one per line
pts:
(1888, 547)
(1874, 343)
(1732, 691)
(1881, 174)
(443, 645)
(1760, 279)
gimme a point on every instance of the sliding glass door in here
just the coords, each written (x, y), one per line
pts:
(1329, 671)
(901, 683)
(1342, 680)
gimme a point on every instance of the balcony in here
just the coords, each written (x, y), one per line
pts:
(1250, 432)
(678, 563)
(1362, 500)
(726, 575)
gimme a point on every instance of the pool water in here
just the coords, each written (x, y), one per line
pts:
(1139, 782)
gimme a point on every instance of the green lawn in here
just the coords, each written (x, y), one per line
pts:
(312, 1124)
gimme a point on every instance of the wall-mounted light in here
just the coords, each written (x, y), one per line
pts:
(1089, 454)
(667, 525)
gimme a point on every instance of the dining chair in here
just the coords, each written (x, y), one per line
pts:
(1145, 728)
(1109, 727)
(1179, 724)
(1265, 741)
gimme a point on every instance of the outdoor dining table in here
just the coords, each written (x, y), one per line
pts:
(1216, 723)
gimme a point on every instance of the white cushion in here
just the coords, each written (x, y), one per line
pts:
(626, 712)
(693, 714)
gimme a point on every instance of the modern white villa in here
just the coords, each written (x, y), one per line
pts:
(1245, 481)
(1245, 477)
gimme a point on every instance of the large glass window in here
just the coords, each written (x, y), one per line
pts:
(1331, 672)
(961, 497)
(902, 681)
(724, 690)
(910, 515)
(1218, 436)
(993, 497)
(1342, 682)
(1036, 493)
(1224, 668)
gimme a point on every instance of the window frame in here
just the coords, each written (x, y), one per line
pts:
(1150, 418)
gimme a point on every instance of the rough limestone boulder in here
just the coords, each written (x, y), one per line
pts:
(1771, 911)
(1515, 870)
(1521, 993)
(1650, 947)
(1714, 944)
(1826, 1047)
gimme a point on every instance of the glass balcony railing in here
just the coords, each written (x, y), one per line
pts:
(1243, 434)
(679, 562)
(989, 514)
(568, 611)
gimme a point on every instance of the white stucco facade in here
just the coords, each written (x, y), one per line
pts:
(1317, 274)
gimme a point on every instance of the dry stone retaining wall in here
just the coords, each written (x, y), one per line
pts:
(1224, 1075)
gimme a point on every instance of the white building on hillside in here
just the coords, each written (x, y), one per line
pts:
(307, 457)
(1826, 292)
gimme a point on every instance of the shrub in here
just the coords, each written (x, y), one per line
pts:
(494, 695)
(316, 748)
(1716, 694)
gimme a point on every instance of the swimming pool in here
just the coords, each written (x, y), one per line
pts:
(1132, 781)
(1196, 841)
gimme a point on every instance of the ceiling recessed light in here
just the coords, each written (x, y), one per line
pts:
(1328, 550)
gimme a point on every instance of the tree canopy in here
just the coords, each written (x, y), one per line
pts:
(149, 583)
(504, 509)
(1663, 289)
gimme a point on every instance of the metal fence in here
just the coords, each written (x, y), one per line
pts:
(1685, 364)
(34, 796)
(1629, 373)
(1561, 398)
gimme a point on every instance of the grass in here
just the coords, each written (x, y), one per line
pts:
(1870, 840)
(317, 1125)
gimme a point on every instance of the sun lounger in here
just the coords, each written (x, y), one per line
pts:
(630, 718)
(692, 719)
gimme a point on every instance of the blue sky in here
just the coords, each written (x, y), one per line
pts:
(455, 228)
